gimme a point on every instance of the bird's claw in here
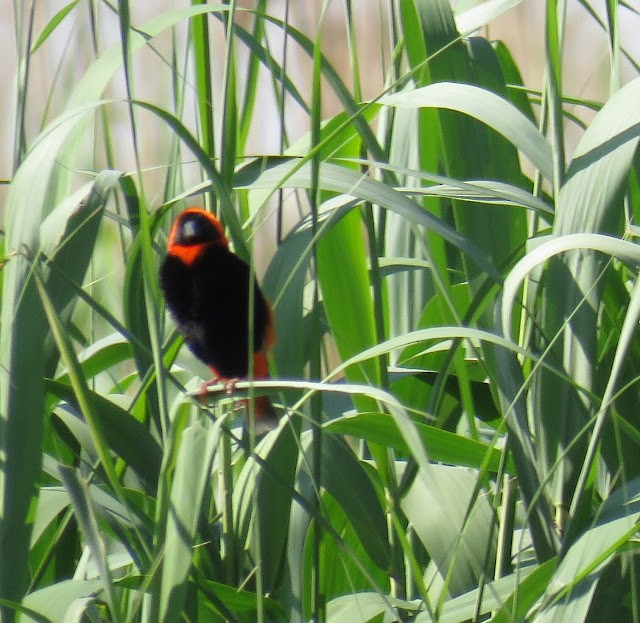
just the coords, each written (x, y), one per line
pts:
(228, 384)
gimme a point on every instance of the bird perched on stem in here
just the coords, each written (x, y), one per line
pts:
(206, 287)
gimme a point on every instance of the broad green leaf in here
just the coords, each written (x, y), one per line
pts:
(346, 295)
(274, 501)
(441, 445)
(340, 555)
(295, 580)
(51, 502)
(408, 293)
(363, 608)
(363, 510)
(56, 602)
(589, 201)
(493, 595)
(530, 587)
(283, 284)
(79, 387)
(269, 484)
(571, 588)
(483, 14)
(102, 355)
(22, 335)
(341, 269)
(513, 78)
(454, 524)
(488, 108)
(284, 280)
(241, 601)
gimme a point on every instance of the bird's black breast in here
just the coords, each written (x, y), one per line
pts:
(209, 301)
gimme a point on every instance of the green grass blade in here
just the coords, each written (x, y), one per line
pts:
(199, 28)
(79, 385)
(571, 588)
(589, 201)
(88, 522)
(343, 275)
(554, 35)
(52, 25)
(229, 106)
(454, 524)
(268, 481)
(256, 37)
(22, 392)
(193, 464)
(124, 434)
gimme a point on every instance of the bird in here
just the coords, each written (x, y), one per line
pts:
(206, 288)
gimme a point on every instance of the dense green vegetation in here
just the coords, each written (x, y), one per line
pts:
(456, 307)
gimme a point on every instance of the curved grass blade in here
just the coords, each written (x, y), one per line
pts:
(487, 107)
(610, 245)
(273, 173)
(68, 236)
(441, 445)
(589, 201)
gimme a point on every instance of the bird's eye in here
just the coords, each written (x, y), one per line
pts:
(195, 229)
(190, 229)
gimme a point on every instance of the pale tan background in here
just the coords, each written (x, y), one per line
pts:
(67, 54)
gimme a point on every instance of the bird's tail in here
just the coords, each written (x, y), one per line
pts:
(266, 417)
(265, 414)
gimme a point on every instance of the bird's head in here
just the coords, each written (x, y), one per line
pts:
(194, 231)
(195, 227)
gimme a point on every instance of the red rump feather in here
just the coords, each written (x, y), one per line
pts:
(206, 287)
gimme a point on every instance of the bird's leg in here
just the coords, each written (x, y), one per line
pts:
(229, 385)
(205, 385)
(230, 388)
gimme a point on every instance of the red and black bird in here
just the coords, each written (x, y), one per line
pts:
(206, 287)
